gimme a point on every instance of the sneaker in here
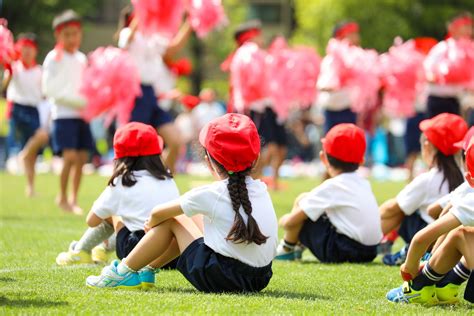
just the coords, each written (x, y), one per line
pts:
(449, 294)
(385, 248)
(299, 251)
(397, 258)
(284, 254)
(110, 278)
(405, 294)
(147, 277)
(72, 257)
(99, 255)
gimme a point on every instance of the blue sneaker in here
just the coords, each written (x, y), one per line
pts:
(283, 253)
(147, 277)
(397, 258)
(406, 294)
(110, 278)
(299, 251)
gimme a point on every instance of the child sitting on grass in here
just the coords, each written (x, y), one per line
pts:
(339, 220)
(408, 211)
(235, 252)
(453, 257)
(140, 182)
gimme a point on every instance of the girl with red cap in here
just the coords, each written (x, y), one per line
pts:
(23, 83)
(234, 253)
(140, 181)
(408, 211)
(337, 221)
(452, 261)
(150, 51)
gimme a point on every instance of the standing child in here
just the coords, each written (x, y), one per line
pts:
(235, 252)
(452, 262)
(23, 78)
(140, 181)
(408, 211)
(338, 221)
(62, 78)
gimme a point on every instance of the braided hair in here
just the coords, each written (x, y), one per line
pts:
(239, 196)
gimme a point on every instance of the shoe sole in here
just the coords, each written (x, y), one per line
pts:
(147, 286)
(121, 287)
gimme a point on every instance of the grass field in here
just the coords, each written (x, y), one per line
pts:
(34, 231)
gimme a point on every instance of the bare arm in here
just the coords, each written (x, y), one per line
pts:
(178, 42)
(7, 78)
(434, 210)
(391, 215)
(163, 212)
(93, 220)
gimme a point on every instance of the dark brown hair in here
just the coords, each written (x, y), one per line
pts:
(345, 167)
(240, 233)
(125, 166)
(450, 169)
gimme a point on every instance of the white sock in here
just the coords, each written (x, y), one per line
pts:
(122, 268)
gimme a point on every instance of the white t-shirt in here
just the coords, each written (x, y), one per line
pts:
(350, 205)
(147, 51)
(460, 191)
(134, 204)
(62, 79)
(206, 112)
(25, 85)
(463, 209)
(422, 192)
(213, 201)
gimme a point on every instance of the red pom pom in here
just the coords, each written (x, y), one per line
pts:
(181, 67)
(7, 45)
(190, 101)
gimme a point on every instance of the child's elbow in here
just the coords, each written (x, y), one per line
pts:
(434, 210)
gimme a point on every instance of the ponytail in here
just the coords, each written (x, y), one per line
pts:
(450, 169)
(239, 196)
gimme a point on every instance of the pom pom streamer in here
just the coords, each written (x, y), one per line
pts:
(111, 84)
(7, 45)
(206, 15)
(159, 16)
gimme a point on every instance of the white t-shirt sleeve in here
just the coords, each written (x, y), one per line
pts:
(463, 209)
(444, 200)
(107, 203)
(318, 201)
(200, 201)
(413, 195)
(124, 37)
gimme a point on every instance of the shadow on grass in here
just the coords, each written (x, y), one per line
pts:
(315, 262)
(4, 301)
(7, 279)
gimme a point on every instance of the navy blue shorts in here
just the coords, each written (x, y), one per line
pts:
(26, 121)
(413, 133)
(333, 118)
(469, 292)
(126, 241)
(329, 246)
(211, 272)
(71, 134)
(438, 105)
(147, 109)
(268, 127)
(410, 226)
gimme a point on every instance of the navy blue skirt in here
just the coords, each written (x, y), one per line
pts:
(25, 120)
(438, 105)
(147, 109)
(74, 134)
(333, 118)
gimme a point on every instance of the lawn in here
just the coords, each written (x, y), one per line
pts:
(34, 231)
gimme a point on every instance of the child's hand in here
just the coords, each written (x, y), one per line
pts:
(408, 273)
(146, 227)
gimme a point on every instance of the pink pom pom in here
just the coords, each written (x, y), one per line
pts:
(7, 50)
(306, 70)
(403, 77)
(206, 15)
(111, 84)
(248, 76)
(451, 62)
(159, 16)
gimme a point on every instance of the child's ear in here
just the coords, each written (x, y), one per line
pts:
(323, 158)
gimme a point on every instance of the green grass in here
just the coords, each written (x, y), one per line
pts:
(34, 231)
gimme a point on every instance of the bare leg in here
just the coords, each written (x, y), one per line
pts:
(391, 219)
(76, 179)
(157, 240)
(29, 154)
(69, 159)
(292, 233)
(410, 163)
(277, 162)
(199, 221)
(173, 141)
(459, 243)
(170, 254)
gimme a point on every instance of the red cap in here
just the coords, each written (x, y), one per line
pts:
(444, 131)
(470, 163)
(345, 142)
(137, 139)
(232, 140)
(346, 29)
(463, 144)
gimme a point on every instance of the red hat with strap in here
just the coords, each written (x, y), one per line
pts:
(137, 139)
(444, 131)
(345, 142)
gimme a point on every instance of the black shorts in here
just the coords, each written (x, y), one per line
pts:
(329, 246)
(410, 226)
(333, 118)
(438, 105)
(126, 241)
(26, 121)
(71, 134)
(211, 272)
(413, 133)
(147, 109)
(268, 127)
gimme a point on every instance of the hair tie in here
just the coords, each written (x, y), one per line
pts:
(230, 172)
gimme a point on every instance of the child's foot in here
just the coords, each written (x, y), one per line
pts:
(30, 192)
(397, 258)
(449, 294)
(406, 294)
(110, 277)
(72, 257)
(147, 277)
(99, 255)
(64, 205)
(285, 253)
(76, 209)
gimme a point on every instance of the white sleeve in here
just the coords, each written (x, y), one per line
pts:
(124, 38)
(463, 209)
(200, 201)
(413, 195)
(50, 84)
(318, 201)
(444, 200)
(107, 203)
